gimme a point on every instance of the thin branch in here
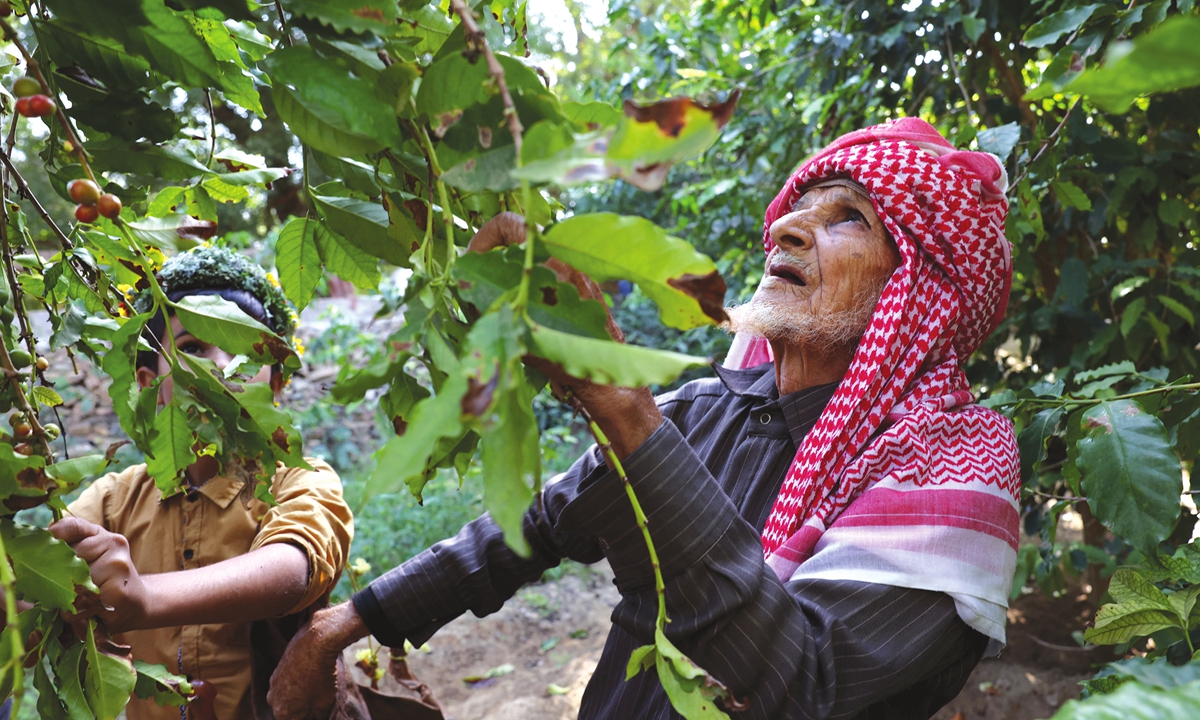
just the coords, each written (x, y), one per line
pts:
(1045, 144)
(287, 34)
(958, 78)
(35, 70)
(212, 139)
(27, 193)
(476, 39)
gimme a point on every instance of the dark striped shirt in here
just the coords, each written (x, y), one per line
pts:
(706, 479)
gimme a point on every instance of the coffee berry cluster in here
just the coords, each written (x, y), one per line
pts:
(30, 100)
(92, 203)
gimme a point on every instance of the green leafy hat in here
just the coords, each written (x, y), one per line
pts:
(211, 267)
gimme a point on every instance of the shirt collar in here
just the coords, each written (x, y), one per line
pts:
(222, 489)
(801, 409)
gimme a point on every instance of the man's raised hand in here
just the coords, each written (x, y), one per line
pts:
(107, 554)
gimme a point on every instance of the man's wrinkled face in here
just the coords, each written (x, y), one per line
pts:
(831, 261)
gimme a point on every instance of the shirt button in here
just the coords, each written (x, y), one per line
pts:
(187, 554)
(765, 419)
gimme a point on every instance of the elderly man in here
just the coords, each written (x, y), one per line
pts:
(836, 520)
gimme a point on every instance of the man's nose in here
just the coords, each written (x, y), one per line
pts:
(793, 231)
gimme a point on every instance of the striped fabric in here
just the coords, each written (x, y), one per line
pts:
(807, 648)
(903, 480)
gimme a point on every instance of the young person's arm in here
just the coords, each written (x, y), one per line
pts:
(264, 583)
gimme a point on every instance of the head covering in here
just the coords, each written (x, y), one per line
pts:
(904, 480)
(207, 268)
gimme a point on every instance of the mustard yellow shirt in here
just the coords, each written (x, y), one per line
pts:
(217, 521)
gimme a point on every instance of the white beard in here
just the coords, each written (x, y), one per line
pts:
(785, 320)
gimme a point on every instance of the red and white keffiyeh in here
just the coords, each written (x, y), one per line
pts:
(903, 480)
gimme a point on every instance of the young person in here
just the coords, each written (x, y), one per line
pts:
(186, 576)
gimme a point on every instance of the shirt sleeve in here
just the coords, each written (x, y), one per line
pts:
(312, 515)
(94, 504)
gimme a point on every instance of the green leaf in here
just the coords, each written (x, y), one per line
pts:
(1132, 313)
(364, 225)
(298, 261)
(356, 16)
(1069, 194)
(1130, 589)
(1032, 440)
(162, 163)
(174, 49)
(47, 569)
(489, 171)
(170, 449)
(484, 277)
(685, 284)
(155, 682)
(609, 362)
(1178, 308)
(1123, 368)
(1162, 60)
(108, 681)
(46, 396)
(403, 459)
(1156, 673)
(119, 365)
(341, 113)
(353, 174)
(175, 232)
(71, 684)
(272, 423)
(1135, 701)
(1131, 475)
(643, 658)
(77, 469)
(103, 58)
(452, 84)
(219, 322)
(683, 691)
(1049, 29)
(1115, 624)
(429, 25)
(502, 402)
(591, 115)
(344, 259)
(1000, 141)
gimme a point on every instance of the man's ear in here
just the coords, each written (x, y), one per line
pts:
(145, 377)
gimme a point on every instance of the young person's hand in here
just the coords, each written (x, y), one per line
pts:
(107, 554)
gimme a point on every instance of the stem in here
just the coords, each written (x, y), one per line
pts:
(638, 514)
(475, 37)
(958, 79)
(448, 220)
(27, 193)
(1045, 145)
(35, 70)
(287, 34)
(17, 663)
(212, 142)
(1126, 396)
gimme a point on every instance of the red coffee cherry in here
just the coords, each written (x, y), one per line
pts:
(86, 213)
(84, 192)
(109, 206)
(42, 105)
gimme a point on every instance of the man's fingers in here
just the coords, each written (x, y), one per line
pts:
(507, 228)
(72, 530)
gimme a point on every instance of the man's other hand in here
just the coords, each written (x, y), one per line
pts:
(628, 416)
(304, 683)
(107, 556)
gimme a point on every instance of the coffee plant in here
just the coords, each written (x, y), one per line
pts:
(414, 124)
